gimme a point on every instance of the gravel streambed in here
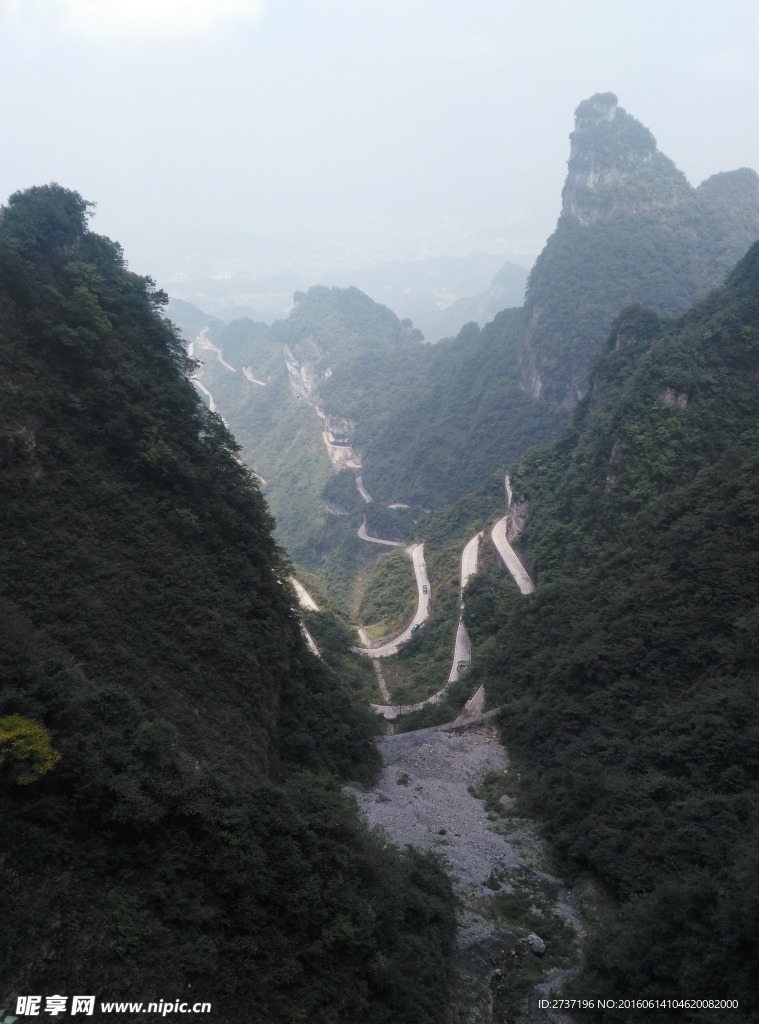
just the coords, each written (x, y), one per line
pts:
(424, 799)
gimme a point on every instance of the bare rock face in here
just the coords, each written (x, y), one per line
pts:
(519, 513)
(535, 944)
(302, 369)
(305, 372)
(339, 429)
(669, 396)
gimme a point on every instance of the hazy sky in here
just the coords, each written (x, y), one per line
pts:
(373, 127)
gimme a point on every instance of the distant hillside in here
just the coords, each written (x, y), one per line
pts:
(191, 320)
(171, 754)
(506, 290)
(234, 295)
(440, 295)
(339, 359)
(629, 681)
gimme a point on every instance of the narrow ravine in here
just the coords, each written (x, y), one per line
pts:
(427, 798)
(430, 796)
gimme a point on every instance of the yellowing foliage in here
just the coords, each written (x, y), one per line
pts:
(26, 742)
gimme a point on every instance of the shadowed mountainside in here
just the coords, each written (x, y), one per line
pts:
(170, 752)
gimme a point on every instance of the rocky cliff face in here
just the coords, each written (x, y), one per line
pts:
(632, 230)
(614, 165)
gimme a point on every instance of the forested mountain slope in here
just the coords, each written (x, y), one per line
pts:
(161, 720)
(340, 360)
(630, 681)
(631, 230)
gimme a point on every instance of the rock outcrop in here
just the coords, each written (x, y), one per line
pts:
(632, 230)
(614, 165)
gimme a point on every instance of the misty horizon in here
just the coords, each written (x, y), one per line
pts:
(246, 140)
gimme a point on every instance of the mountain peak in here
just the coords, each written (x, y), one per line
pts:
(601, 107)
(614, 165)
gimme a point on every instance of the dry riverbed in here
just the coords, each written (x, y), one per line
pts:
(447, 791)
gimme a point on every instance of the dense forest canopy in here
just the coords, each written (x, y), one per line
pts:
(629, 680)
(169, 749)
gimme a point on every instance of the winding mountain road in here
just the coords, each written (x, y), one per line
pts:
(203, 341)
(462, 650)
(363, 535)
(469, 559)
(248, 374)
(365, 495)
(206, 392)
(422, 610)
(306, 601)
(304, 598)
(310, 641)
(476, 703)
(510, 557)
(462, 654)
